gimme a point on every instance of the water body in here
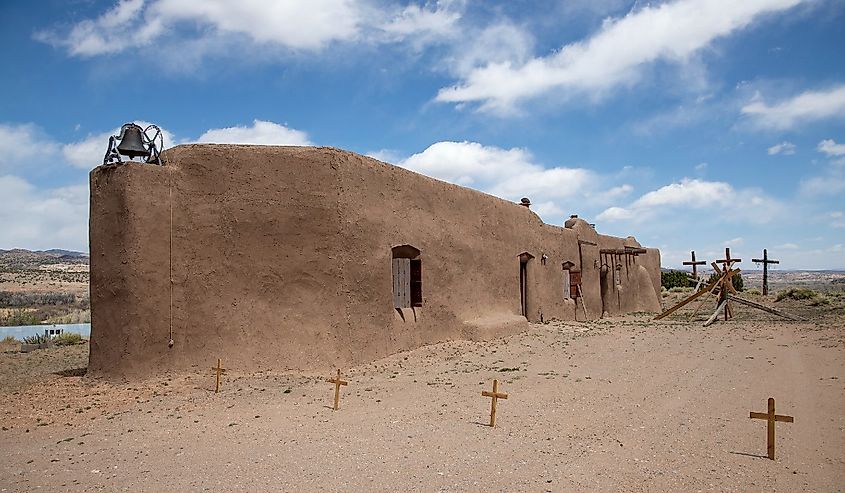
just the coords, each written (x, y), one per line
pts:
(21, 331)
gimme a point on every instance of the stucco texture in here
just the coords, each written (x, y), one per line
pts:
(280, 257)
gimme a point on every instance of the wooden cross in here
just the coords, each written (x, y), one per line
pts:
(765, 260)
(495, 395)
(695, 264)
(337, 383)
(771, 417)
(220, 370)
(728, 260)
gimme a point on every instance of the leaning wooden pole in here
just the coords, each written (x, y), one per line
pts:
(763, 307)
(688, 300)
(715, 313)
(697, 308)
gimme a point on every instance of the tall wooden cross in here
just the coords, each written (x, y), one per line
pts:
(765, 260)
(771, 417)
(728, 260)
(695, 264)
(495, 395)
(219, 370)
(337, 383)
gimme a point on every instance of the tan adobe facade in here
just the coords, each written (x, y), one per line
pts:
(305, 258)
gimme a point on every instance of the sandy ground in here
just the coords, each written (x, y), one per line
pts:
(619, 405)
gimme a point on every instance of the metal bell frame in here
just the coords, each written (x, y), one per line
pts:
(148, 148)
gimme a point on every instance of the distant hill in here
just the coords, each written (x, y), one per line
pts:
(63, 253)
(19, 258)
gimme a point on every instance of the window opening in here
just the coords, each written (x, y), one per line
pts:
(407, 277)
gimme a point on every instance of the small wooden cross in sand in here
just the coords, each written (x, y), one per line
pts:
(771, 417)
(495, 395)
(220, 370)
(337, 383)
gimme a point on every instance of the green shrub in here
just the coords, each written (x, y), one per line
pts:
(674, 279)
(36, 339)
(736, 280)
(754, 291)
(67, 339)
(797, 294)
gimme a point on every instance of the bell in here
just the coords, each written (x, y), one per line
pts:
(132, 141)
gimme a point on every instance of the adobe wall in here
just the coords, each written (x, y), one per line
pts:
(281, 258)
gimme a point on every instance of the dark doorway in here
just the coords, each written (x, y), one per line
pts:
(524, 258)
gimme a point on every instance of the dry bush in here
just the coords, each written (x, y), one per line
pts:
(679, 289)
(67, 339)
(19, 317)
(797, 294)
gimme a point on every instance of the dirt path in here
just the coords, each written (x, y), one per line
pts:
(623, 405)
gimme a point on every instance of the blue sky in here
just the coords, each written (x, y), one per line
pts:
(691, 124)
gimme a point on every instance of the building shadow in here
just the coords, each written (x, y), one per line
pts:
(73, 372)
(750, 455)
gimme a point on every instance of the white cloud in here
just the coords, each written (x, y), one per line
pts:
(788, 246)
(829, 184)
(693, 193)
(616, 193)
(121, 27)
(837, 219)
(295, 25)
(548, 209)
(423, 23)
(750, 205)
(734, 242)
(300, 25)
(614, 56)
(498, 43)
(470, 163)
(512, 174)
(508, 173)
(43, 218)
(261, 132)
(831, 148)
(805, 107)
(784, 147)
(24, 145)
(386, 155)
(613, 214)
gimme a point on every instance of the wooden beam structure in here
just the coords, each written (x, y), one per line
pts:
(689, 299)
(337, 381)
(771, 417)
(724, 290)
(765, 261)
(495, 395)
